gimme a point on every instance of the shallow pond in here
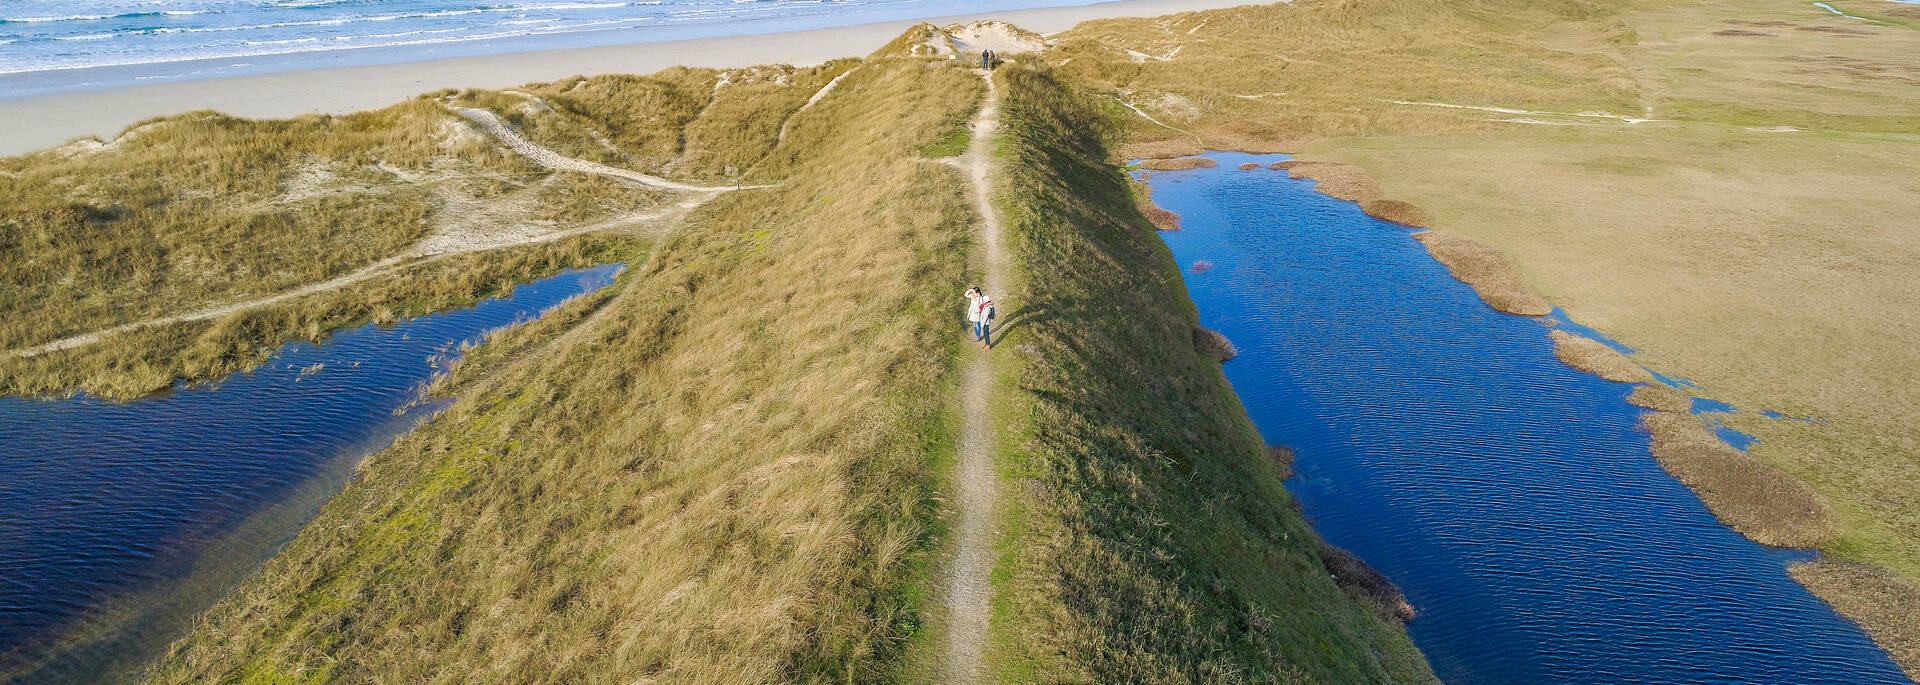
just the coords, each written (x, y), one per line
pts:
(134, 516)
(1512, 498)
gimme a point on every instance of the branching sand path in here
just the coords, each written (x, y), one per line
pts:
(442, 245)
(491, 123)
(967, 590)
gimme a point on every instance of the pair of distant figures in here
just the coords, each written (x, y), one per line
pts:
(980, 314)
(988, 60)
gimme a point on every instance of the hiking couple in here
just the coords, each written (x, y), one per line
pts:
(980, 312)
(988, 60)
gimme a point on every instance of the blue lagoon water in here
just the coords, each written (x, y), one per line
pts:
(1511, 497)
(105, 504)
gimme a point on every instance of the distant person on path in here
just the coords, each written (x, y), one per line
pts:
(973, 310)
(982, 316)
(986, 58)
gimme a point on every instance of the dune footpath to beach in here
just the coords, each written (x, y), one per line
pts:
(43, 121)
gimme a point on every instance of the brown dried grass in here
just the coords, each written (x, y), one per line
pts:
(1252, 136)
(1489, 271)
(1211, 343)
(1161, 219)
(1403, 213)
(1767, 505)
(1740, 32)
(1282, 460)
(1370, 588)
(1181, 164)
(1336, 179)
(1885, 605)
(1660, 398)
(1161, 149)
(1594, 357)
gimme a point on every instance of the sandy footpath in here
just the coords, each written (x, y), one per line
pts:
(43, 121)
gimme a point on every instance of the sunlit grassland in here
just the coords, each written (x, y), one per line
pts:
(696, 124)
(1149, 538)
(184, 213)
(1757, 236)
(721, 474)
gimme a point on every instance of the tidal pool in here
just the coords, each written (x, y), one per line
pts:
(121, 520)
(1512, 498)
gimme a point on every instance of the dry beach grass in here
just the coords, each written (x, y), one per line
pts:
(1762, 502)
(1595, 357)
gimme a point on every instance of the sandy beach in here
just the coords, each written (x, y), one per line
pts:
(42, 121)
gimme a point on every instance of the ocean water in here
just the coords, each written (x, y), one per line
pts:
(140, 514)
(42, 35)
(1512, 498)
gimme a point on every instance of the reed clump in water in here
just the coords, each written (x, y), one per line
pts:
(1594, 357)
(1371, 588)
(1213, 344)
(1396, 211)
(1249, 166)
(1282, 460)
(1885, 605)
(1763, 503)
(1181, 164)
(1660, 398)
(1490, 272)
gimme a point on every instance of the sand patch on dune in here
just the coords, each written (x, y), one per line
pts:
(1594, 357)
(1767, 505)
(1490, 272)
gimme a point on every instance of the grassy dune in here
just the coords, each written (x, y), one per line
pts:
(198, 210)
(1151, 540)
(722, 474)
(1756, 235)
(727, 469)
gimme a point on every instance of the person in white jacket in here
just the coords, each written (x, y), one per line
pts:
(980, 312)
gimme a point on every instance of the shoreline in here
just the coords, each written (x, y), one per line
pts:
(44, 121)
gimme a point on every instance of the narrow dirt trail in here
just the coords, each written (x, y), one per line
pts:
(436, 247)
(493, 126)
(967, 592)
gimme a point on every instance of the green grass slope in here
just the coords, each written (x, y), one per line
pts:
(1152, 540)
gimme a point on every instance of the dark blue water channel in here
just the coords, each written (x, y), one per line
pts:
(1511, 497)
(101, 501)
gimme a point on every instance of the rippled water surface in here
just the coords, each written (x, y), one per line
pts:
(142, 511)
(1511, 497)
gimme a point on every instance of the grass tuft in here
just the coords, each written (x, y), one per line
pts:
(1594, 357)
(1761, 502)
(1490, 272)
